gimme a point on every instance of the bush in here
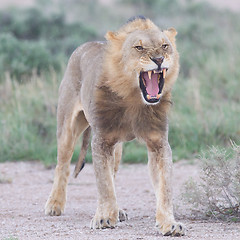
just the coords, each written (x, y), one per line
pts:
(20, 58)
(218, 193)
(33, 24)
(31, 40)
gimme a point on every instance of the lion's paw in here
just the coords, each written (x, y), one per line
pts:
(107, 218)
(54, 208)
(122, 215)
(100, 223)
(172, 229)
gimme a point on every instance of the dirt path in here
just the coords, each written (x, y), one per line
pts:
(22, 203)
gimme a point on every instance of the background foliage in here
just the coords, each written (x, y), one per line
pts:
(35, 44)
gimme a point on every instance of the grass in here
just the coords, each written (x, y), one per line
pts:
(28, 118)
(206, 96)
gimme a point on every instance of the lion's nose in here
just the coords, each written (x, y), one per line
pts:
(158, 60)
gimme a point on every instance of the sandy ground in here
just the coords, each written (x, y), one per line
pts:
(22, 206)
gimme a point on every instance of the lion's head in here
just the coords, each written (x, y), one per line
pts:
(142, 59)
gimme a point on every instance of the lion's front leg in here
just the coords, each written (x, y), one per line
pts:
(103, 160)
(160, 166)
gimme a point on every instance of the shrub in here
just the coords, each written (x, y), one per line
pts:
(31, 40)
(218, 193)
(20, 58)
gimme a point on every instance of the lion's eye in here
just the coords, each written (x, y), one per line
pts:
(165, 46)
(139, 48)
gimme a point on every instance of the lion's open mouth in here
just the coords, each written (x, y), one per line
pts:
(151, 84)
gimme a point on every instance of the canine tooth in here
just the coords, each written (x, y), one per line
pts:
(164, 72)
(148, 97)
(150, 74)
(158, 96)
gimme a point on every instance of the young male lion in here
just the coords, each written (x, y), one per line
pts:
(121, 88)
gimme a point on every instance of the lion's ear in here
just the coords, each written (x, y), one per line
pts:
(171, 33)
(111, 36)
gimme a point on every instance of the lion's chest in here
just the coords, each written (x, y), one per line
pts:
(126, 124)
(116, 122)
(126, 120)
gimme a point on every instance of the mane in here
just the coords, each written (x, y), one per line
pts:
(131, 19)
(113, 57)
(136, 23)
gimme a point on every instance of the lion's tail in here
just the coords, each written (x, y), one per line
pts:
(81, 159)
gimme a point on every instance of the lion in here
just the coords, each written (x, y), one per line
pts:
(119, 90)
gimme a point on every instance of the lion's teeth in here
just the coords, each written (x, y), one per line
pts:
(164, 72)
(158, 96)
(154, 71)
(150, 75)
(148, 97)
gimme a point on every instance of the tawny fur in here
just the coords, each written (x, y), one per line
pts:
(101, 89)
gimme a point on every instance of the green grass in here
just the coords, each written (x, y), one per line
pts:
(28, 113)
(206, 96)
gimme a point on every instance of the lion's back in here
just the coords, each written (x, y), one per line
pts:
(83, 68)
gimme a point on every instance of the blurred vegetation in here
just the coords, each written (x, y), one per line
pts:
(35, 44)
(30, 40)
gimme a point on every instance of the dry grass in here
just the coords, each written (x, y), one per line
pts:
(217, 195)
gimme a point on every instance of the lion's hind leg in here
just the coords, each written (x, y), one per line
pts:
(70, 125)
(117, 157)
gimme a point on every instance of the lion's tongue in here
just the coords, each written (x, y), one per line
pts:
(151, 84)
